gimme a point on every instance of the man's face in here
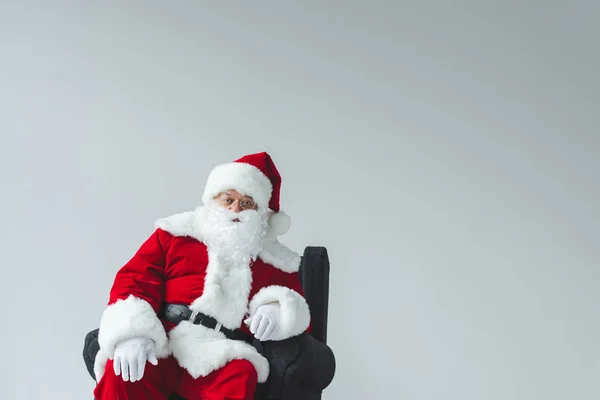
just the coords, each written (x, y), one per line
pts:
(235, 201)
(234, 226)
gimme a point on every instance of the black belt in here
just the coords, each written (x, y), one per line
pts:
(176, 313)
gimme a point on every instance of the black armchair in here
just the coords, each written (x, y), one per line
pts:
(302, 366)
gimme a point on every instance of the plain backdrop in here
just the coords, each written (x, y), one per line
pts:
(445, 153)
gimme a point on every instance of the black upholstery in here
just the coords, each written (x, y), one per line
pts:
(302, 366)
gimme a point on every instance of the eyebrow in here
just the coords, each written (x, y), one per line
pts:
(230, 194)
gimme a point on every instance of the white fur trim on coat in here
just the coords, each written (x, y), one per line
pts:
(126, 319)
(280, 256)
(189, 224)
(201, 350)
(295, 314)
(226, 290)
(242, 177)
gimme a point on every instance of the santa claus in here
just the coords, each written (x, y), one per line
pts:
(184, 310)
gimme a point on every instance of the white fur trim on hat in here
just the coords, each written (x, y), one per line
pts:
(242, 177)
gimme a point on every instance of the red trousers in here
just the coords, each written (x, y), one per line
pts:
(237, 380)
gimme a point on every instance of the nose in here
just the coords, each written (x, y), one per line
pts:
(235, 207)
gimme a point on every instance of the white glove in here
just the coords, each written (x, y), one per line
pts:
(264, 324)
(131, 356)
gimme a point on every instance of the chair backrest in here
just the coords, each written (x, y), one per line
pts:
(314, 276)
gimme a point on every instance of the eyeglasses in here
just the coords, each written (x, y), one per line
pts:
(246, 203)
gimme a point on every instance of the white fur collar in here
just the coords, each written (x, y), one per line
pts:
(189, 223)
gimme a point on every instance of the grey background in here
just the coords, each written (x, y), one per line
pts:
(445, 153)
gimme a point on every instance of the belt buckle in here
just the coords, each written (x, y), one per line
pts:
(193, 316)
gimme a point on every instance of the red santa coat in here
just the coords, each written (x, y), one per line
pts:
(174, 265)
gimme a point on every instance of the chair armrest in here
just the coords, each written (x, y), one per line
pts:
(299, 366)
(90, 349)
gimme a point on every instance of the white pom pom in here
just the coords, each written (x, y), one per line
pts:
(280, 223)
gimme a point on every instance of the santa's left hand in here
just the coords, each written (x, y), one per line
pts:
(265, 322)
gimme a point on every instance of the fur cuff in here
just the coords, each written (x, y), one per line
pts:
(295, 314)
(128, 318)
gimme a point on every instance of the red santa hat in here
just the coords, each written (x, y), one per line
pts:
(253, 175)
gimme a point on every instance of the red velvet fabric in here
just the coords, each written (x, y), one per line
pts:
(172, 269)
(237, 380)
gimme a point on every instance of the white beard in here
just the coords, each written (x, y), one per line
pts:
(234, 242)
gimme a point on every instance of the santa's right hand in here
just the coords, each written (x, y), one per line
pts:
(131, 356)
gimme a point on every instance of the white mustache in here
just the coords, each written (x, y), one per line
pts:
(225, 215)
